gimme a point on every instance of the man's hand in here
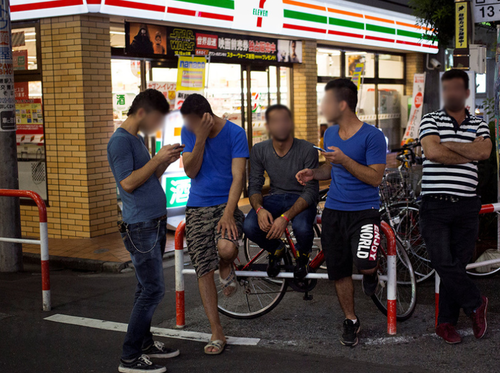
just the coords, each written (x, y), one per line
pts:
(227, 224)
(169, 153)
(265, 220)
(277, 229)
(305, 176)
(204, 128)
(336, 156)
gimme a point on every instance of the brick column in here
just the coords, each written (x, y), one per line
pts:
(76, 58)
(414, 65)
(305, 106)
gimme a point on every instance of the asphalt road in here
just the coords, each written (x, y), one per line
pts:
(298, 336)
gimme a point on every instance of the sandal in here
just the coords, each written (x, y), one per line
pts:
(218, 344)
(229, 282)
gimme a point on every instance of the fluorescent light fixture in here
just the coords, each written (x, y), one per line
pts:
(117, 32)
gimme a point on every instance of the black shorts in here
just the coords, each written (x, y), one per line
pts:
(347, 237)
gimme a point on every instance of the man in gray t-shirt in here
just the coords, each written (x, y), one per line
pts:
(288, 201)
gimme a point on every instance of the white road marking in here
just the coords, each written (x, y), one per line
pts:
(160, 332)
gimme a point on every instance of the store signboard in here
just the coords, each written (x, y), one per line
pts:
(417, 106)
(30, 9)
(342, 21)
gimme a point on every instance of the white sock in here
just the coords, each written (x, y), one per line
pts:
(354, 321)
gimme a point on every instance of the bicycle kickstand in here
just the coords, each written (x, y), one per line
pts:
(307, 296)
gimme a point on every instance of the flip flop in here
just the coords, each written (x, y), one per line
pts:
(229, 282)
(218, 344)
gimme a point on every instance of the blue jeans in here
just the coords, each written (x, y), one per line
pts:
(302, 224)
(146, 244)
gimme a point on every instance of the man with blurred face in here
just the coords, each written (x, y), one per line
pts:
(215, 160)
(144, 226)
(288, 201)
(355, 161)
(453, 142)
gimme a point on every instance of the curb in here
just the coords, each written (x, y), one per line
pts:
(89, 265)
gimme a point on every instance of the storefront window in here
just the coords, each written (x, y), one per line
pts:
(328, 62)
(24, 47)
(389, 112)
(117, 35)
(126, 81)
(224, 90)
(390, 66)
(353, 58)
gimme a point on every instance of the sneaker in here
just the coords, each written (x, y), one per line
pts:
(370, 284)
(273, 268)
(479, 323)
(140, 365)
(350, 334)
(448, 333)
(301, 267)
(158, 350)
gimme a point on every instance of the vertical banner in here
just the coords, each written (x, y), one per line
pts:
(416, 107)
(461, 20)
(190, 78)
(7, 97)
(357, 74)
(496, 93)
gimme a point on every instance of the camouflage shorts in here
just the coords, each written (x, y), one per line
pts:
(202, 236)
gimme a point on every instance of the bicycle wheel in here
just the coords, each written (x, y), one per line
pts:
(406, 295)
(404, 220)
(255, 296)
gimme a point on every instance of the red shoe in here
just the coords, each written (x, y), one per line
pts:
(479, 323)
(448, 333)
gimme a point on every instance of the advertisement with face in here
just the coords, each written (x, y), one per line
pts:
(146, 39)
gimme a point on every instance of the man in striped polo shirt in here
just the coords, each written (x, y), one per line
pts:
(453, 142)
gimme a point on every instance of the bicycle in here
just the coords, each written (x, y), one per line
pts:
(259, 295)
(400, 208)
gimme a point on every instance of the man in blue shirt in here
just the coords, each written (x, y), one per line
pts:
(214, 158)
(144, 223)
(355, 161)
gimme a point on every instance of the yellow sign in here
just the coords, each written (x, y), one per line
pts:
(358, 72)
(191, 73)
(461, 25)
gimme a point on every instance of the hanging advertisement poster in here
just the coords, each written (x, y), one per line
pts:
(190, 78)
(416, 108)
(20, 59)
(357, 74)
(29, 120)
(145, 40)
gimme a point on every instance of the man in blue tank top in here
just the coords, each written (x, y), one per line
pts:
(355, 161)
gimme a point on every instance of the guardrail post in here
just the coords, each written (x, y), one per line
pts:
(180, 309)
(391, 279)
(437, 283)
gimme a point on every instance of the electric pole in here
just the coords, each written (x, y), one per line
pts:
(10, 216)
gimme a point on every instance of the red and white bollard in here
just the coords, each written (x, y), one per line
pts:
(179, 277)
(392, 278)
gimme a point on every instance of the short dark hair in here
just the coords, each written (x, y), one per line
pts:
(272, 108)
(196, 104)
(150, 100)
(324, 125)
(456, 74)
(346, 91)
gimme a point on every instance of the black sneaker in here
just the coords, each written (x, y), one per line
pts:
(301, 267)
(273, 268)
(140, 365)
(158, 350)
(370, 284)
(350, 334)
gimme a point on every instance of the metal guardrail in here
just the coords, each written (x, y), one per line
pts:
(485, 209)
(43, 241)
(390, 278)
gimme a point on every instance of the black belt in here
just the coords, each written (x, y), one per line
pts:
(164, 217)
(447, 197)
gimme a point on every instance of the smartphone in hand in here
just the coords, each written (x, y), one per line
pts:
(318, 148)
